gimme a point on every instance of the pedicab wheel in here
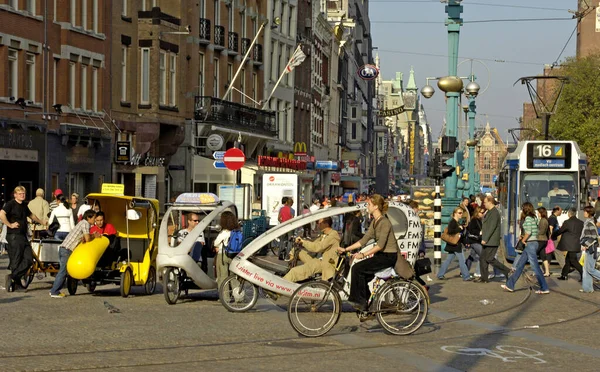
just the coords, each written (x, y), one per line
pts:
(126, 281)
(150, 284)
(171, 286)
(237, 295)
(72, 285)
(91, 286)
(401, 307)
(314, 309)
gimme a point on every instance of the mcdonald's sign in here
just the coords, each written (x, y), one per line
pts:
(300, 149)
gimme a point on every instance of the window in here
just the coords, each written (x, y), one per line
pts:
(285, 9)
(14, 4)
(145, 72)
(95, 16)
(230, 17)
(216, 78)
(273, 61)
(123, 8)
(243, 86)
(202, 6)
(54, 84)
(173, 79)
(13, 73)
(30, 6)
(216, 12)
(84, 87)
(162, 79)
(229, 79)
(72, 84)
(149, 4)
(73, 12)
(487, 161)
(30, 77)
(353, 113)
(95, 89)
(201, 75)
(353, 131)
(254, 86)
(124, 52)
(243, 24)
(54, 14)
(291, 22)
(84, 14)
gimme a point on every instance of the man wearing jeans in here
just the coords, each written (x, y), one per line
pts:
(80, 233)
(490, 240)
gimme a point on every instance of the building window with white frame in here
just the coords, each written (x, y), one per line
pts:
(149, 4)
(243, 23)
(72, 84)
(84, 14)
(145, 76)
(255, 86)
(202, 8)
(201, 75)
(30, 77)
(30, 6)
(216, 78)
(14, 4)
(173, 80)
(95, 89)
(243, 86)
(162, 78)
(230, 17)
(84, 87)
(124, 8)
(13, 73)
(54, 83)
(124, 52)
(217, 12)
(73, 12)
(229, 78)
(95, 16)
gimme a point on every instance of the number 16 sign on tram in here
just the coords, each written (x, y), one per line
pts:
(234, 159)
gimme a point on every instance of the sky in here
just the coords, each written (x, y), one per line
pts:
(424, 46)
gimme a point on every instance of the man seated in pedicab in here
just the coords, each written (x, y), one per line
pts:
(100, 228)
(193, 219)
(326, 244)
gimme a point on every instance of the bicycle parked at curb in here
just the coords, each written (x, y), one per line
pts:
(400, 306)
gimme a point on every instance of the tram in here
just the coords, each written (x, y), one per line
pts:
(546, 174)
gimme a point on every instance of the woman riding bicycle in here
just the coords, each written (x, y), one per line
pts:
(384, 253)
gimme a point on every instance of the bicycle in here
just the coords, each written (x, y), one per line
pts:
(400, 306)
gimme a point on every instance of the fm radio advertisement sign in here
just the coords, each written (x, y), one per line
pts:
(274, 187)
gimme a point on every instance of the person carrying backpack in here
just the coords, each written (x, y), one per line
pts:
(229, 224)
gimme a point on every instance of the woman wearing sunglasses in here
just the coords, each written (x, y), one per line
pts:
(455, 251)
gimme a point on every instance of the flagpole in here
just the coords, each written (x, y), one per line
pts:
(279, 80)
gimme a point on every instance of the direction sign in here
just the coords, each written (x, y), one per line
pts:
(218, 164)
(218, 155)
(234, 159)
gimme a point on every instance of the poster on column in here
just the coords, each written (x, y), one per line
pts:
(274, 187)
(243, 198)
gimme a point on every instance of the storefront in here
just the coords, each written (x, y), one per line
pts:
(78, 159)
(22, 158)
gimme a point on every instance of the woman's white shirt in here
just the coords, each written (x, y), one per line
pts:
(64, 217)
(222, 240)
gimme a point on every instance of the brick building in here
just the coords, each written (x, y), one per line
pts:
(489, 153)
(53, 127)
(588, 30)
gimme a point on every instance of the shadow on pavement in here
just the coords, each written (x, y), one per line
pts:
(12, 299)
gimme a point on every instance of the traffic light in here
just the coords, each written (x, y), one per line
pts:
(446, 169)
(433, 165)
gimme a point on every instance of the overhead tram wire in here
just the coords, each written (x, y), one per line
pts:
(579, 16)
(497, 60)
(476, 4)
(479, 21)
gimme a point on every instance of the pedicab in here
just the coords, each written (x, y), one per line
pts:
(45, 259)
(249, 270)
(183, 261)
(126, 259)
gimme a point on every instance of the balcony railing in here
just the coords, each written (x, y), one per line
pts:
(204, 29)
(235, 116)
(220, 36)
(232, 42)
(245, 45)
(258, 53)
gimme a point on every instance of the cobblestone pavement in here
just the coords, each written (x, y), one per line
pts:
(518, 330)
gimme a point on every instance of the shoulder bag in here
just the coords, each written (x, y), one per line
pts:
(450, 239)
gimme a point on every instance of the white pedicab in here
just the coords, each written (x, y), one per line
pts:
(179, 269)
(238, 293)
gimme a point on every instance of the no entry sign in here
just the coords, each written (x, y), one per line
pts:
(234, 159)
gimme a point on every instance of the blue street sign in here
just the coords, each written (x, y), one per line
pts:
(218, 155)
(219, 164)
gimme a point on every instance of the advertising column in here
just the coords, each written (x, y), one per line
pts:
(275, 187)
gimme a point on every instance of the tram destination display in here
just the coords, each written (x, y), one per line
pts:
(549, 155)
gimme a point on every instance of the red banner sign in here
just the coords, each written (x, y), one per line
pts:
(270, 161)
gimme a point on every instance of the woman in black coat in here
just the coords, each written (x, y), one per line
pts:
(455, 250)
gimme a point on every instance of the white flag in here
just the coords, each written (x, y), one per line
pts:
(297, 58)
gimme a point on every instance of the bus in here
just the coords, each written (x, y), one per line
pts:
(546, 174)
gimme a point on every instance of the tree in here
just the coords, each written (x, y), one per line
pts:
(577, 116)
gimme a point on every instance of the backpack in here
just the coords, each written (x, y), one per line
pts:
(234, 246)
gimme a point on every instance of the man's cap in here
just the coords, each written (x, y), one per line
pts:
(57, 192)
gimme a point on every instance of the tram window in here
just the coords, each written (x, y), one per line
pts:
(545, 189)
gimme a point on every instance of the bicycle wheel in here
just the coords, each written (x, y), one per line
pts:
(314, 309)
(237, 295)
(401, 307)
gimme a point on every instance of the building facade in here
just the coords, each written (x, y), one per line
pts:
(588, 30)
(489, 153)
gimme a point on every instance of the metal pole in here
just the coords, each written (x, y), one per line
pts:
(471, 118)
(244, 59)
(437, 225)
(279, 80)
(546, 124)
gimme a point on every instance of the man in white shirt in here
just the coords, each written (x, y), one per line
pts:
(556, 191)
(193, 220)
